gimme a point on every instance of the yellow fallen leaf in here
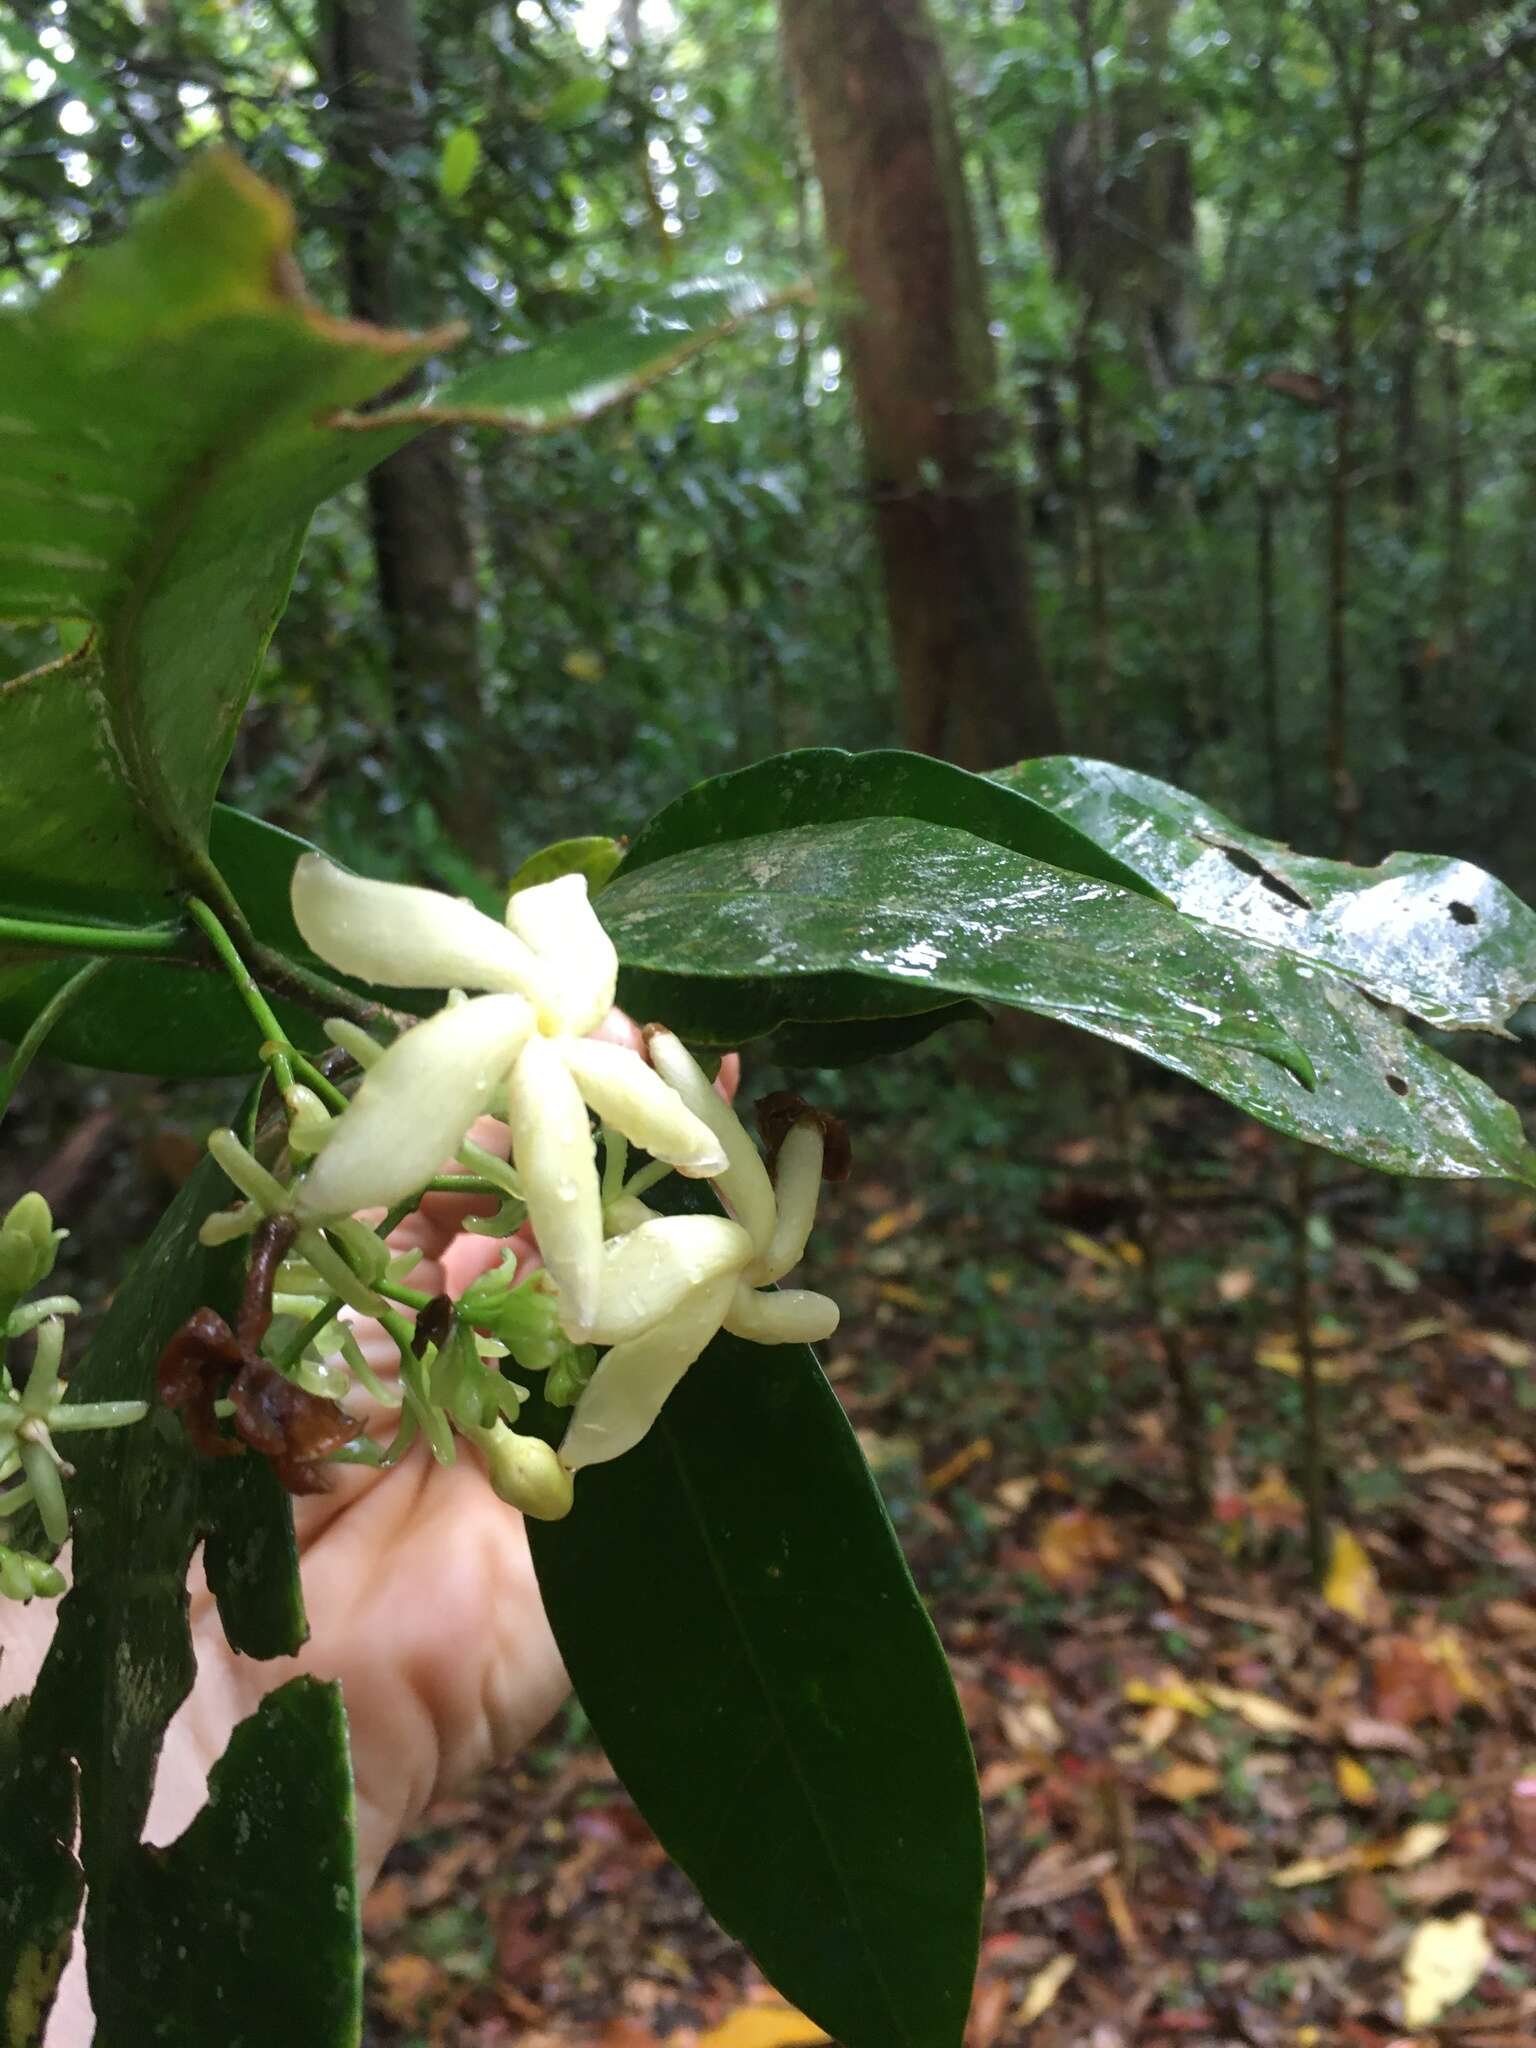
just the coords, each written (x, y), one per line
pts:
(1354, 1781)
(891, 1222)
(976, 1452)
(1181, 1781)
(1089, 1248)
(1513, 1353)
(1074, 1545)
(1417, 1844)
(763, 2026)
(1279, 1354)
(1165, 1575)
(1315, 1869)
(1270, 1717)
(1043, 1990)
(1172, 1691)
(1351, 1587)
(1443, 1962)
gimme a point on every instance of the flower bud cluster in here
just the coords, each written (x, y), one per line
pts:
(32, 1471)
(512, 1040)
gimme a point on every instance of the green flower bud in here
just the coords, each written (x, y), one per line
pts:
(569, 1375)
(526, 1474)
(46, 1578)
(15, 1579)
(29, 1245)
(525, 1316)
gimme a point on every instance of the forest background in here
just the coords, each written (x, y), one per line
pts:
(1165, 396)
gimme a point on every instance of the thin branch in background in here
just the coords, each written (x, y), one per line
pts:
(1145, 1186)
(1313, 1457)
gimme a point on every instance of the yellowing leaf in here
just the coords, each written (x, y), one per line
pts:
(1279, 1354)
(458, 163)
(891, 1222)
(1270, 1717)
(1182, 1781)
(584, 665)
(976, 1452)
(1315, 1869)
(1074, 1544)
(1169, 1691)
(1044, 1989)
(1352, 1586)
(1354, 1781)
(1443, 1962)
(1414, 1845)
(763, 2026)
(1089, 1248)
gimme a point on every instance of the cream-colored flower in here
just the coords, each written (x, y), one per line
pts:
(670, 1284)
(552, 969)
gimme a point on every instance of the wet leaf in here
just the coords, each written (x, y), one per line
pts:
(737, 1617)
(1331, 974)
(1429, 934)
(888, 916)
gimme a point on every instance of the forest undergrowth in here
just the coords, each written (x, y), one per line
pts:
(1219, 1802)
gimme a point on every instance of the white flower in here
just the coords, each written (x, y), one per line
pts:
(670, 1284)
(553, 970)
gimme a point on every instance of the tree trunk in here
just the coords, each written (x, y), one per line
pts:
(947, 509)
(422, 542)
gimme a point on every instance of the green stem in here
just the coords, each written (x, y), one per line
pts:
(31, 1042)
(276, 1049)
(93, 938)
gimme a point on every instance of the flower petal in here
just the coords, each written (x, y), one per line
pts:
(389, 933)
(633, 1097)
(413, 1107)
(649, 1270)
(744, 1183)
(557, 920)
(792, 1315)
(796, 1191)
(556, 1161)
(626, 1393)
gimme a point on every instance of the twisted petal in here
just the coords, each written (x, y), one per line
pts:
(633, 1097)
(649, 1270)
(557, 920)
(744, 1183)
(410, 938)
(793, 1315)
(796, 1191)
(555, 1158)
(626, 1393)
(413, 1107)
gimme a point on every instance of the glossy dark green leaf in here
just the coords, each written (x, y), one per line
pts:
(1435, 936)
(120, 1665)
(826, 786)
(595, 857)
(1327, 968)
(245, 1928)
(888, 916)
(179, 1018)
(740, 1624)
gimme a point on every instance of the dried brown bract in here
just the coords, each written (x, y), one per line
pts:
(779, 1113)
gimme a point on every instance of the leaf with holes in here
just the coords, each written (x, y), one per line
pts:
(1332, 950)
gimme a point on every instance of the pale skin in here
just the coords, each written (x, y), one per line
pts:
(422, 1602)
